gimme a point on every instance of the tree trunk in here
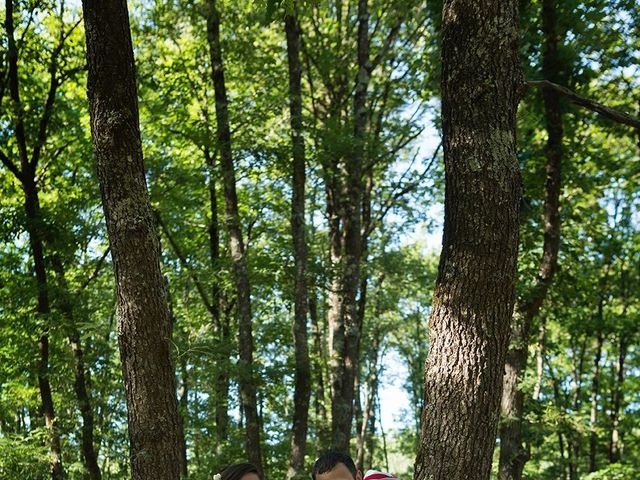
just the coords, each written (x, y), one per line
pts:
(370, 403)
(237, 247)
(80, 383)
(322, 433)
(618, 400)
(144, 326)
(302, 391)
(219, 315)
(345, 325)
(26, 174)
(474, 296)
(595, 390)
(512, 454)
(542, 332)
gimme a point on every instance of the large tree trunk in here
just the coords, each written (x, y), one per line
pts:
(144, 327)
(513, 455)
(300, 337)
(237, 247)
(474, 296)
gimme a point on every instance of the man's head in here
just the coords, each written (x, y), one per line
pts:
(335, 466)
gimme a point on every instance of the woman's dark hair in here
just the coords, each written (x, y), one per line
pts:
(329, 461)
(236, 472)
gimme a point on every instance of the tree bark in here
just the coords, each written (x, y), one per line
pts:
(237, 247)
(474, 296)
(513, 455)
(144, 326)
(302, 380)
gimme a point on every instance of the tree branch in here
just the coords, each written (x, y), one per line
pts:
(605, 111)
(184, 263)
(6, 161)
(96, 271)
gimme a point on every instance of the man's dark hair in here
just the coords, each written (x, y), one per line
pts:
(328, 461)
(236, 472)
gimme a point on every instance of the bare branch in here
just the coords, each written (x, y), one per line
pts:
(185, 264)
(6, 161)
(408, 188)
(96, 271)
(605, 111)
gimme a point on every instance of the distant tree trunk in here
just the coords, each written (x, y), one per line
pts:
(237, 247)
(89, 455)
(144, 325)
(512, 454)
(618, 400)
(26, 174)
(183, 401)
(542, 332)
(344, 314)
(302, 391)
(370, 403)
(595, 390)
(322, 432)
(474, 296)
(219, 315)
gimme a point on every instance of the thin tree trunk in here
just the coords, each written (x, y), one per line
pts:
(89, 454)
(370, 404)
(219, 315)
(237, 247)
(345, 312)
(595, 390)
(26, 173)
(542, 332)
(144, 325)
(474, 297)
(322, 433)
(513, 455)
(302, 380)
(184, 409)
(618, 400)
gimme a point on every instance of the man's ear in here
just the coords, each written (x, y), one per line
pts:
(358, 475)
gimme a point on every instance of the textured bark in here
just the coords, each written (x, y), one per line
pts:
(89, 455)
(237, 247)
(302, 379)
(474, 296)
(25, 172)
(513, 455)
(144, 328)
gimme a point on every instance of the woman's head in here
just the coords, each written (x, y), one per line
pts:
(240, 471)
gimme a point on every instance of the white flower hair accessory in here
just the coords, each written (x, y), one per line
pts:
(217, 476)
